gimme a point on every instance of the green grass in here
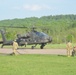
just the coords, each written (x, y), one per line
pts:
(55, 46)
(37, 65)
(47, 46)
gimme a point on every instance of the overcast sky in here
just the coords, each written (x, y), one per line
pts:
(10, 9)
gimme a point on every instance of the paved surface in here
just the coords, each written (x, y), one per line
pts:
(34, 51)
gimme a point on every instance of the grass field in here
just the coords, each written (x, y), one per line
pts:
(54, 46)
(47, 46)
(37, 65)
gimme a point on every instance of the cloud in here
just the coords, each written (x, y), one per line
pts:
(35, 7)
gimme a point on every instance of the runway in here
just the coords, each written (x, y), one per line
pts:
(34, 51)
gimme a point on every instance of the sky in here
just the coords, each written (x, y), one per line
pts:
(11, 9)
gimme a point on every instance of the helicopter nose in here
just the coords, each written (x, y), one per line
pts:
(48, 39)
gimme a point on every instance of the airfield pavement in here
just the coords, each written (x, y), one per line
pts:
(34, 51)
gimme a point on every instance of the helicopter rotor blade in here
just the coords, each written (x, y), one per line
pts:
(13, 26)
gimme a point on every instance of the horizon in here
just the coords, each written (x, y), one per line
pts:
(38, 17)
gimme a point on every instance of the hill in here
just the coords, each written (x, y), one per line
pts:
(61, 27)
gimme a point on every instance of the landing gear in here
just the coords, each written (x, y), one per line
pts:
(33, 46)
(42, 46)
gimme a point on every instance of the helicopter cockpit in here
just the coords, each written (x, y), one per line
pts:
(41, 34)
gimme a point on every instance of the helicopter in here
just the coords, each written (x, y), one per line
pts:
(33, 37)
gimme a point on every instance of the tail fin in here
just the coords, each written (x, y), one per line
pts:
(3, 35)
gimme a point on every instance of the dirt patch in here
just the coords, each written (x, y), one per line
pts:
(34, 51)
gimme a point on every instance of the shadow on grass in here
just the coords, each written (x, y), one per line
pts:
(66, 56)
(5, 54)
(62, 55)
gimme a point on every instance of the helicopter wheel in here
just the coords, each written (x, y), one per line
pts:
(42, 46)
(32, 47)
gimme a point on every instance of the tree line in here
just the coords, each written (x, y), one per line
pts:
(62, 28)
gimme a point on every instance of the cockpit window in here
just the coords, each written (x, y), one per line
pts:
(41, 34)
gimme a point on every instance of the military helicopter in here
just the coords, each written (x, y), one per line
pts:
(33, 37)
